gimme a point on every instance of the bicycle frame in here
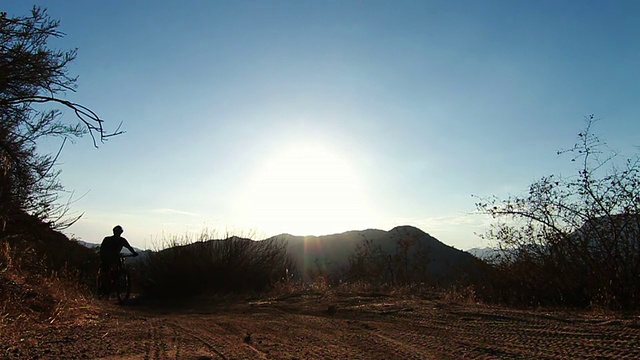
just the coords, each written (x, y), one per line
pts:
(116, 280)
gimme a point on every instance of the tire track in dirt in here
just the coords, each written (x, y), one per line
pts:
(207, 342)
(416, 329)
(287, 336)
(300, 336)
(156, 346)
(421, 331)
(223, 339)
(321, 337)
(400, 336)
(236, 332)
(373, 338)
(510, 334)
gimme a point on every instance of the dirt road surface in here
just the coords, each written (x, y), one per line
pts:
(316, 326)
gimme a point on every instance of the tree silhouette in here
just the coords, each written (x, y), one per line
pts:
(33, 79)
(573, 239)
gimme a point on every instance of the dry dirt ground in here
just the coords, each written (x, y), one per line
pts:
(317, 326)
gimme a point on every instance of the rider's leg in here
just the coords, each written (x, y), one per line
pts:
(106, 274)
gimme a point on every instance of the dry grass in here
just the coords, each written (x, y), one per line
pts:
(461, 295)
(44, 279)
(186, 268)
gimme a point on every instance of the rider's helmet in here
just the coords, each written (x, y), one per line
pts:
(117, 230)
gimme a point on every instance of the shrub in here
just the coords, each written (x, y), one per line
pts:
(571, 240)
(233, 265)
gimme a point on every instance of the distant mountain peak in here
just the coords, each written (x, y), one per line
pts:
(407, 228)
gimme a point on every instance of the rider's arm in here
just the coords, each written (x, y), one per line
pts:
(133, 251)
(129, 247)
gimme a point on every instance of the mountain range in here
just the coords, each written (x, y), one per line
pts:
(486, 253)
(331, 254)
(402, 245)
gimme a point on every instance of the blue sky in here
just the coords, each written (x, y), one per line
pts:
(316, 117)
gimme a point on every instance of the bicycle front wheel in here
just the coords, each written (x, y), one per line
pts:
(123, 286)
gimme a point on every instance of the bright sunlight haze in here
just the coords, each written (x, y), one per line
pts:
(306, 189)
(315, 117)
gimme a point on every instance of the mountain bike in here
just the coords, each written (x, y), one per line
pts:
(117, 280)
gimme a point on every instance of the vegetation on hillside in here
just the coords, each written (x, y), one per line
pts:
(44, 276)
(233, 265)
(571, 240)
(408, 256)
(39, 267)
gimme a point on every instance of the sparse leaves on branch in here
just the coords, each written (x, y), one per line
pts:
(33, 79)
(576, 239)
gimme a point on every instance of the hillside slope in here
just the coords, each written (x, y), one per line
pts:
(42, 273)
(331, 253)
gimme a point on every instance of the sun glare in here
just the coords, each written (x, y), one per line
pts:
(306, 190)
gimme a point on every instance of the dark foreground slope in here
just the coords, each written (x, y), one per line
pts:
(44, 276)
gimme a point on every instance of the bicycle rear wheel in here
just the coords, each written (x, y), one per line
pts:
(123, 286)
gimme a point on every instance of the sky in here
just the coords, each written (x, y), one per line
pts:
(258, 118)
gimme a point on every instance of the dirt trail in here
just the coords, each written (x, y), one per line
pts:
(318, 327)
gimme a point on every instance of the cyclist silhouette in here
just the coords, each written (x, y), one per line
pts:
(110, 249)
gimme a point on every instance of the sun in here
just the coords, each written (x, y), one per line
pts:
(306, 189)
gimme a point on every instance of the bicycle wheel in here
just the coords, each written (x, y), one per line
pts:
(123, 286)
